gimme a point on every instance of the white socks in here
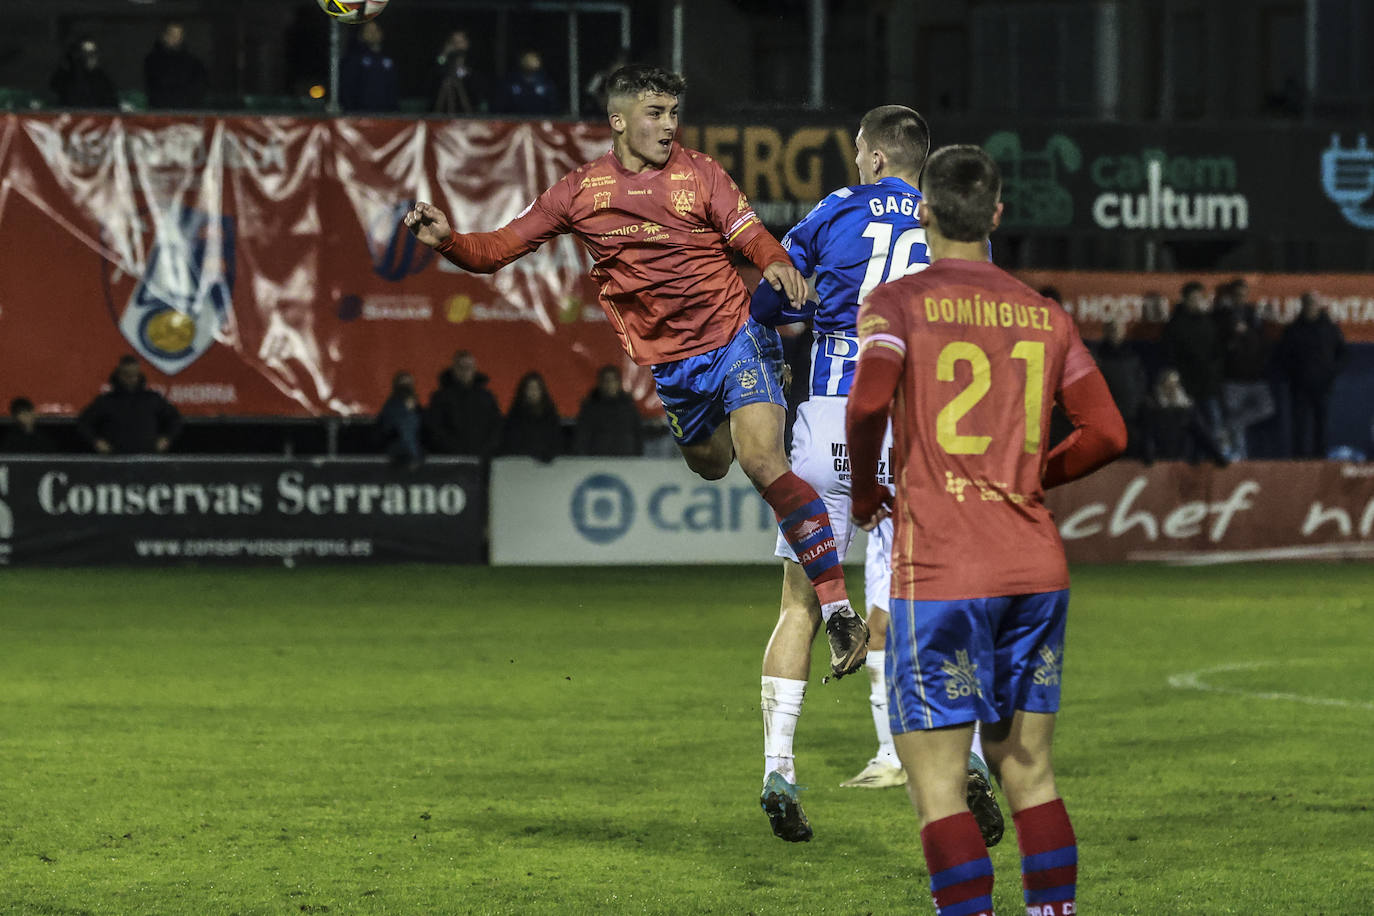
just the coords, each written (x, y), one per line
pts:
(781, 705)
(828, 610)
(877, 702)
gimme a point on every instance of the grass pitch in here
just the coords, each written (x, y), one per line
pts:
(467, 740)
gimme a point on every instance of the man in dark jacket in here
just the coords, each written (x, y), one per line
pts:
(80, 81)
(608, 422)
(463, 417)
(1192, 344)
(130, 418)
(172, 75)
(1312, 353)
(1124, 371)
(367, 75)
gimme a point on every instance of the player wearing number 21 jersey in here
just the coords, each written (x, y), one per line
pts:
(971, 361)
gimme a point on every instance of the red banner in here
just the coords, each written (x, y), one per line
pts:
(259, 266)
(1250, 511)
(1095, 297)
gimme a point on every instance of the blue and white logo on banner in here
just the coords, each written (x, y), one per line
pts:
(1348, 179)
(603, 508)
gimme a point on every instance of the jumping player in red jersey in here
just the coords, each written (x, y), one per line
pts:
(973, 361)
(658, 221)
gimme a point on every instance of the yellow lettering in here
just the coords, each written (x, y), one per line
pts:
(714, 144)
(762, 163)
(804, 148)
(1004, 310)
(932, 309)
(947, 309)
(990, 314)
(1022, 315)
(1035, 318)
(964, 314)
(1045, 317)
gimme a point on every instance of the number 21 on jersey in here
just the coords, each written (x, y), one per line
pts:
(1032, 352)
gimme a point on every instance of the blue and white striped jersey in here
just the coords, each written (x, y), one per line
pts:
(853, 240)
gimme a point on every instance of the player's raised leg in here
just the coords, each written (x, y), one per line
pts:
(805, 524)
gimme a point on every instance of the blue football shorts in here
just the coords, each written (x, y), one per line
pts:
(954, 662)
(699, 392)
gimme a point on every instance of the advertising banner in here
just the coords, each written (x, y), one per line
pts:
(157, 511)
(258, 265)
(1096, 297)
(607, 512)
(1249, 511)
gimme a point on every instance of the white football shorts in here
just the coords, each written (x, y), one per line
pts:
(820, 456)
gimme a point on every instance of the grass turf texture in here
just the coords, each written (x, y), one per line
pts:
(467, 740)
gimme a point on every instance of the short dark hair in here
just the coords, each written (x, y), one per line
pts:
(19, 405)
(900, 132)
(634, 79)
(962, 186)
(1192, 286)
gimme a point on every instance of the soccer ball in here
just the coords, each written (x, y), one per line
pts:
(353, 12)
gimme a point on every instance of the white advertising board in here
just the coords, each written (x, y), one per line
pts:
(625, 511)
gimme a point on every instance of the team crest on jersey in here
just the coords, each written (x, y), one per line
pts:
(1046, 673)
(601, 200)
(680, 176)
(748, 379)
(684, 200)
(963, 676)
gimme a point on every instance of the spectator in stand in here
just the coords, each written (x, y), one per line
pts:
(1193, 346)
(1175, 429)
(608, 422)
(1124, 371)
(24, 438)
(533, 426)
(460, 89)
(367, 74)
(530, 91)
(463, 417)
(398, 425)
(172, 75)
(80, 81)
(1312, 353)
(1244, 385)
(129, 418)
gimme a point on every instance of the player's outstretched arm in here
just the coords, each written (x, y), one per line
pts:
(1099, 434)
(479, 252)
(865, 421)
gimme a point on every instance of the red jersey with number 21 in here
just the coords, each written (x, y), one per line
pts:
(658, 239)
(984, 358)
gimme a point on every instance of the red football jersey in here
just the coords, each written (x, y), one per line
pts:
(984, 358)
(658, 239)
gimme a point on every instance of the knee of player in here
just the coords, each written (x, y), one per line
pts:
(711, 470)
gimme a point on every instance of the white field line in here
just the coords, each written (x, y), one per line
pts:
(1193, 680)
(1215, 557)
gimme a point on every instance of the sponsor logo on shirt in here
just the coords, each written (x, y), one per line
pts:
(597, 181)
(681, 176)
